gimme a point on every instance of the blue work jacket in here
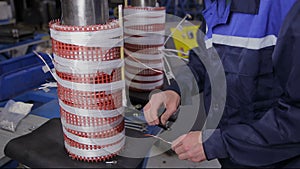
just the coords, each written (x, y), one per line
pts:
(259, 126)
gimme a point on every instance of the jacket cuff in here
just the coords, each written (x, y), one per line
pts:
(213, 144)
(174, 87)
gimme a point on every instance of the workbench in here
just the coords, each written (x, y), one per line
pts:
(35, 149)
(32, 144)
(42, 101)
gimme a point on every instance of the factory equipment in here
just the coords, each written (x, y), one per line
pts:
(144, 28)
(88, 63)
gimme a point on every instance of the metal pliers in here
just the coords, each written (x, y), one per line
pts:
(172, 119)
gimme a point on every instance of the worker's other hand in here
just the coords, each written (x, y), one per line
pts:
(169, 99)
(190, 147)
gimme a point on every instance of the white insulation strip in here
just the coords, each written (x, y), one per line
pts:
(96, 153)
(144, 78)
(94, 141)
(91, 87)
(91, 129)
(143, 13)
(146, 40)
(144, 86)
(102, 38)
(92, 113)
(142, 32)
(144, 21)
(85, 67)
(134, 16)
(141, 66)
(142, 56)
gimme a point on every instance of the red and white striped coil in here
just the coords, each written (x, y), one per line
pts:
(88, 66)
(144, 29)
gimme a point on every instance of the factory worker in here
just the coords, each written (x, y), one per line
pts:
(261, 120)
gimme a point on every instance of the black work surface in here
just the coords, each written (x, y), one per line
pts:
(44, 148)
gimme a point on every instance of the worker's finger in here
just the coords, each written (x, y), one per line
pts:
(154, 111)
(184, 156)
(167, 114)
(150, 113)
(196, 159)
(147, 114)
(178, 142)
(179, 149)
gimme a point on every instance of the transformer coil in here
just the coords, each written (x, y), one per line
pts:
(88, 65)
(144, 29)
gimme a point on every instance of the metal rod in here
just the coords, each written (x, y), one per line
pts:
(143, 3)
(84, 12)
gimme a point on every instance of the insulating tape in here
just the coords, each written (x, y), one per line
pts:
(90, 100)
(96, 153)
(74, 52)
(76, 120)
(141, 56)
(85, 67)
(92, 87)
(92, 113)
(94, 141)
(154, 78)
(95, 78)
(143, 71)
(141, 66)
(144, 12)
(129, 31)
(89, 38)
(146, 40)
(105, 134)
(90, 129)
(145, 86)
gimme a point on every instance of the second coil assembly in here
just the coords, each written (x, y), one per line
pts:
(144, 29)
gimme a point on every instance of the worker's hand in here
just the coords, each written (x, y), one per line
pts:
(169, 99)
(190, 147)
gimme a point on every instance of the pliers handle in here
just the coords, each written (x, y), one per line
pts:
(173, 118)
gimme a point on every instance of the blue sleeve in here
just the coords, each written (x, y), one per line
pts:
(275, 137)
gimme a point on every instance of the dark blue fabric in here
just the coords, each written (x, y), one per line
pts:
(260, 126)
(215, 13)
(267, 22)
(249, 6)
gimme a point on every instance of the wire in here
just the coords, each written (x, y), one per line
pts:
(135, 59)
(149, 135)
(175, 51)
(43, 60)
(179, 24)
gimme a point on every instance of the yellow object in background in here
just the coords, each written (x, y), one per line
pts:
(185, 39)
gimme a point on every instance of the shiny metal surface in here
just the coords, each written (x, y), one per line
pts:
(143, 3)
(84, 12)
